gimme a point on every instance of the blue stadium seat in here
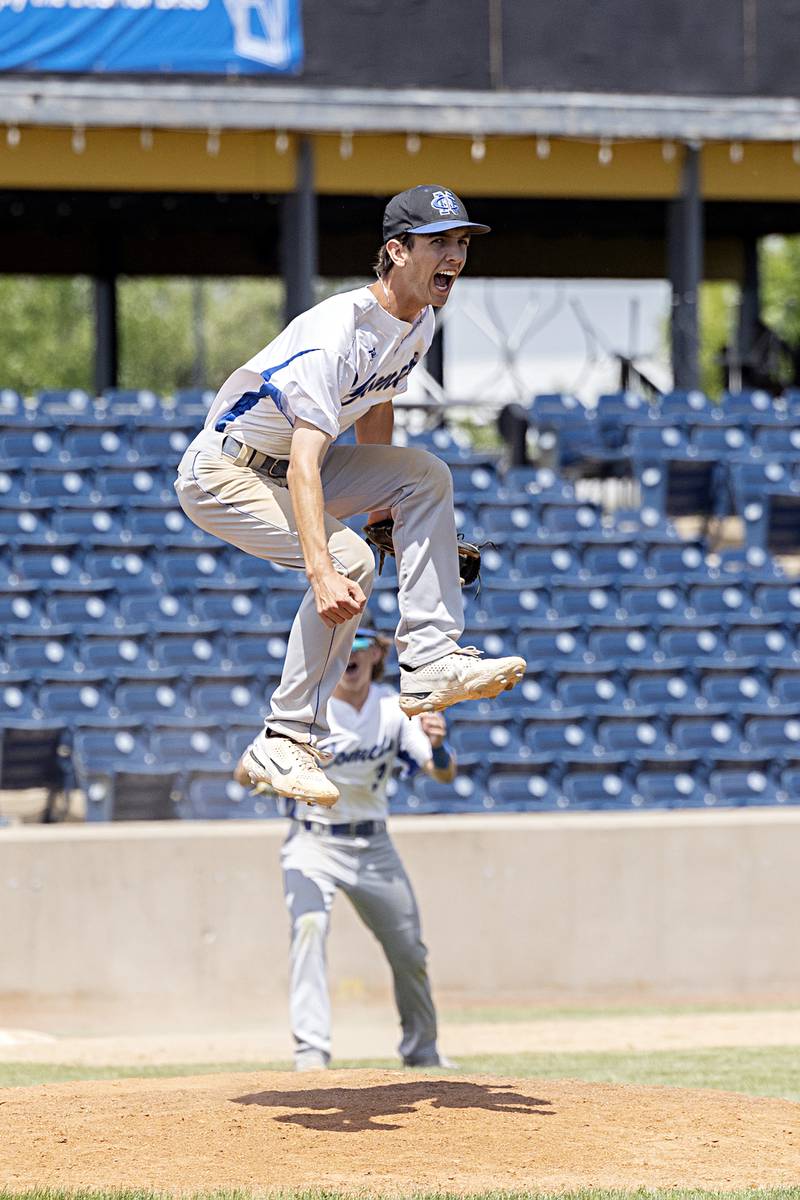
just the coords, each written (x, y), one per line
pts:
(705, 734)
(632, 640)
(655, 600)
(790, 786)
(191, 399)
(669, 789)
(697, 643)
(591, 602)
(83, 607)
(89, 521)
(593, 789)
(662, 685)
(536, 482)
(26, 520)
(568, 518)
(38, 650)
(20, 607)
(748, 404)
(734, 685)
(784, 441)
(613, 560)
(129, 402)
(774, 736)
(193, 651)
(631, 733)
(742, 787)
(18, 701)
(150, 697)
(163, 441)
(507, 523)
(557, 733)
(243, 608)
(515, 792)
(54, 561)
(653, 443)
(11, 403)
(64, 402)
(39, 444)
(684, 405)
(54, 482)
(13, 491)
(186, 567)
(473, 480)
(113, 652)
(724, 599)
(128, 565)
(593, 688)
(721, 439)
(780, 599)
(192, 746)
(80, 701)
(759, 640)
(786, 685)
(232, 699)
(138, 607)
(496, 564)
(98, 441)
(515, 603)
(553, 560)
(239, 736)
(559, 641)
(215, 796)
(132, 481)
(474, 742)
(686, 558)
(159, 522)
(105, 749)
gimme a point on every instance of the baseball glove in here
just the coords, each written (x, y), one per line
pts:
(379, 535)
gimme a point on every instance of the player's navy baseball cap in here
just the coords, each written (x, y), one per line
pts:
(428, 208)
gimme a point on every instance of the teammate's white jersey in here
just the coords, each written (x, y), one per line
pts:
(366, 744)
(328, 367)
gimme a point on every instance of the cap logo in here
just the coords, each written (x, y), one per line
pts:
(445, 204)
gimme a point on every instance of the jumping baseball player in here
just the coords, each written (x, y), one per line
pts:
(266, 475)
(350, 849)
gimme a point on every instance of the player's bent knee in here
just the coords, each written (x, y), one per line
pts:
(360, 563)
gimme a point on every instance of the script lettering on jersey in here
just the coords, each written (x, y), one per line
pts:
(380, 383)
(388, 746)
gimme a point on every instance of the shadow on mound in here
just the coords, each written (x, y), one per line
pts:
(350, 1110)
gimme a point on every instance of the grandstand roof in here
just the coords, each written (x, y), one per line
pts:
(162, 103)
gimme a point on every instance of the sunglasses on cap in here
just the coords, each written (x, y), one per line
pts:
(364, 639)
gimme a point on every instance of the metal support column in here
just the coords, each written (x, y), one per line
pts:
(750, 305)
(299, 235)
(105, 330)
(685, 265)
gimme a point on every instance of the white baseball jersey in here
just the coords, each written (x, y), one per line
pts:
(366, 744)
(328, 367)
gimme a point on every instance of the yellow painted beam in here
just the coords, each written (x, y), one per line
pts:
(119, 159)
(756, 171)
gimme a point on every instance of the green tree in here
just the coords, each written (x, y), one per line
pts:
(46, 332)
(719, 309)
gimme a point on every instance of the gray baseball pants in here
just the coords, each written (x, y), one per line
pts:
(254, 512)
(370, 873)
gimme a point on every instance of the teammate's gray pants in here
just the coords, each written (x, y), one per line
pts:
(370, 873)
(252, 511)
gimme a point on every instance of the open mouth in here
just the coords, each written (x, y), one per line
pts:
(443, 281)
(351, 669)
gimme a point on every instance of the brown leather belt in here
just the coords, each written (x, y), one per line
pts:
(245, 456)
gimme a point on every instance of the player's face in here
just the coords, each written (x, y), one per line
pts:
(358, 671)
(434, 263)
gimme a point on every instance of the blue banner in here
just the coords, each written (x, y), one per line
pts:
(209, 37)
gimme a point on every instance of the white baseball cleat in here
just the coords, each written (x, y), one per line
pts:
(461, 675)
(290, 768)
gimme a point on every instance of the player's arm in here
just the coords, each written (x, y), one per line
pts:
(337, 597)
(442, 766)
(376, 428)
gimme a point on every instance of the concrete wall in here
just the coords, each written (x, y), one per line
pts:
(189, 917)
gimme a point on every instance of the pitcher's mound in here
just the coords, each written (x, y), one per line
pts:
(382, 1131)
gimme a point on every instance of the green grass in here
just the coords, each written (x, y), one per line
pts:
(757, 1071)
(509, 1014)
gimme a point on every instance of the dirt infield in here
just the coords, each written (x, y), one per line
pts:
(382, 1131)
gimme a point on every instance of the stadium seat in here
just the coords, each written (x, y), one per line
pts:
(591, 603)
(55, 561)
(506, 523)
(54, 482)
(748, 404)
(613, 560)
(215, 796)
(692, 643)
(87, 522)
(556, 642)
(183, 568)
(13, 491)
(131, 481)
(84, 607)
(243, 608)
(78, 701)
(786, 685)
(190, 746)
(150, 697)
(193, 651)
(734, 685)
(704, 734)
(653, 443)
(103, 750)
(129, 402)
(137, 607)
(779, 599)
(746, 787)
(515, 792)
(654, 600)
(128, 565)
(38, 650)
(631, 732)
(633, 640)
(230, 700)
(20, 607)
(721, 439)
(514, 604)
(558, 732)
(553, 560)
(759, 640)
(113, 652)
(668, 789)
(18, 697)
(26, 520)
(568, 518)
(10, 402)
(596, 790)
(65, 402)
(774, 736)
(685, 559)
(163, 441)
(684, 405)
(40, 444)
(98, 441)
(783, 442)
(478, 743)
(159, 522)
(662, 685)
(594, 688)
(722, 599)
